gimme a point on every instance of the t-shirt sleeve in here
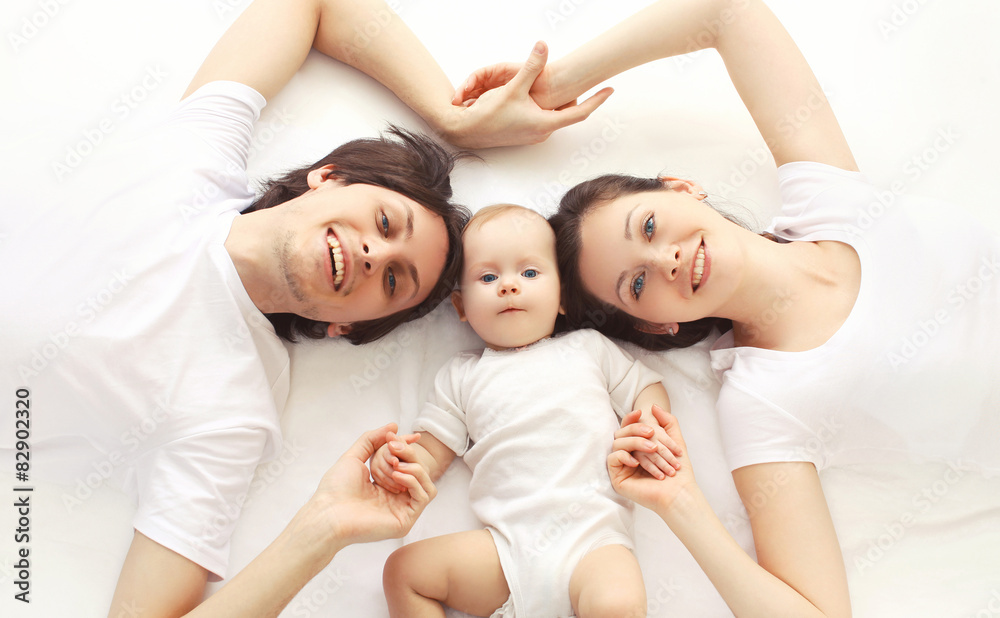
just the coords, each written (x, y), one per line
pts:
(191, 491)
(222, 114)
(819, 201)
(626, 376)
(755, 430)
(443, 414)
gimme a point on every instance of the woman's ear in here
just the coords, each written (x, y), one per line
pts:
(680, 184)
(456, 301)
(671, 328)
(320, 175)
(336, 329)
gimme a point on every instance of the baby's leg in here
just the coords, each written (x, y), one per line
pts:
(461, 570)
(608, 584)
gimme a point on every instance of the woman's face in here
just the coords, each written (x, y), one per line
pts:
(660, 256)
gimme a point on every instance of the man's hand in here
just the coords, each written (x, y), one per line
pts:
(362, 511)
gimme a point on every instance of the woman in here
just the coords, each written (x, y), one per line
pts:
(146, 342)
(838, 314)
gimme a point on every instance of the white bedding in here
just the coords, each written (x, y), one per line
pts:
(913, 82)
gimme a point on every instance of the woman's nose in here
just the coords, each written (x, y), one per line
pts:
(668, 259)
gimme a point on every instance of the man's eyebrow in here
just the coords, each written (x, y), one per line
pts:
(628, 219)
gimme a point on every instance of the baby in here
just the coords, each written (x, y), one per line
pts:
(532, 416)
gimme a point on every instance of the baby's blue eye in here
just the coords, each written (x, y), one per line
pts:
(530, 273)
(385, 225)
(648, 227)
(488, 278)
(637, 284)
(392, 282)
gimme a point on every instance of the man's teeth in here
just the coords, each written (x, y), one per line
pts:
(699, 267)
(338, 259)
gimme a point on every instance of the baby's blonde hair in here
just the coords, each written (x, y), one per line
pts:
(488, 213)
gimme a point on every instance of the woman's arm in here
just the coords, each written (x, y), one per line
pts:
(271, 39)
(346, 508)
(770, 73)
(800, 571)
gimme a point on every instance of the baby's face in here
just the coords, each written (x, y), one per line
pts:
(510, 284)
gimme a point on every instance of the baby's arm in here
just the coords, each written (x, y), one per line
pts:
(430, 453)
(656, 451)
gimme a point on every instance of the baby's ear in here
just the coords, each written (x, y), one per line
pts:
(336, 329)
(456, 301)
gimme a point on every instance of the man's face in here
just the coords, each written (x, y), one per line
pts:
(510, 283)
(357, 252)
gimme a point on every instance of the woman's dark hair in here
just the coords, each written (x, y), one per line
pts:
(583, 309)
(407, 163)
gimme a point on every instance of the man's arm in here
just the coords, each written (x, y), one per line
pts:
(269, 42)
(346, 508)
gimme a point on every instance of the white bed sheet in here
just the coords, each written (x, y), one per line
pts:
(913, 82)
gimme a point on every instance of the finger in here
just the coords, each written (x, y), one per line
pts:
(635, 429)
(521, 83)
(631, 417)
(670, 425)
(409, 438)
(621, 459)
(577, 113)
(369, 442)
(417, 482)
(633, 444)
(666, 455)
(483, 79)
(650, 466)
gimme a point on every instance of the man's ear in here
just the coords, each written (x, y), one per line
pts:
(336, 329)
(658, 329)
(320, 175)
(456, 301)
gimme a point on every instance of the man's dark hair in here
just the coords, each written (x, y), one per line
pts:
(407, 163)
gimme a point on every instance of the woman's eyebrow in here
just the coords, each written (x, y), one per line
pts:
(628, 218)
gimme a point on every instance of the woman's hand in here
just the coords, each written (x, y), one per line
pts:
(627, 475)
(495, 107)
(495, 76)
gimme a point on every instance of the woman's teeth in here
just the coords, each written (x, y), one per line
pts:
(699, 267)
(338, 259)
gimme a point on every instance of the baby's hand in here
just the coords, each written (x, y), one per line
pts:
(656, 451)
(386, 459)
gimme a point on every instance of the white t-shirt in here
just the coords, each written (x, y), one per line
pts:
(147, 363)
(912, 374)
